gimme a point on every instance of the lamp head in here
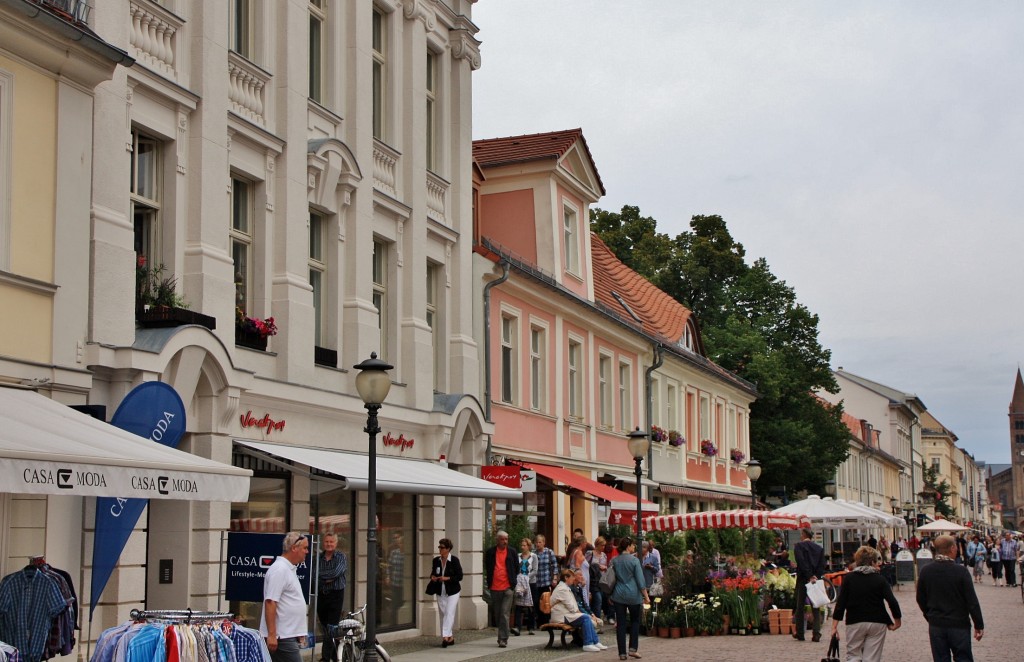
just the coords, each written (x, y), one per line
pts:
(830, 488)
(894, 502)
(638, 444)
(373, 382)
(753, 469)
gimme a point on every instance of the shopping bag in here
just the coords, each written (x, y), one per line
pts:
(832, 654)
(656, 590)
(607, 583)
(817, 595)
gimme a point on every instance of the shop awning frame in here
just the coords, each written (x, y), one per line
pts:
(394, 474)
(47, 447)
(703, 493)
(618, 499)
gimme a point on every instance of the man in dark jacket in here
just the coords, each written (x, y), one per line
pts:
(810, 564)
(946, 596)
(500, 570)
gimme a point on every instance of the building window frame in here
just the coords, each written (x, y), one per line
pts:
(570, 235)
(380, 291)
(434, 323)
(317, 26)
(243, 240)
(433, 83)
(509, 358)
(242, 28)
(317, 263)
(604, 380)
(145, 192)
(625, 396)
(379, 48)
(538, 368)
(6, 161)
(574, 363)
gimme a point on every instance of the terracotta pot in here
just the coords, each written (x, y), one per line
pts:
(691, 632)
(675, 632)
(663, 631)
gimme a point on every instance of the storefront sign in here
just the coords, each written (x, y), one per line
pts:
(622, 518)
(153, 411)
(505, 476)
(249, 557)
(266, 423)
(528, 481)
(400, 441)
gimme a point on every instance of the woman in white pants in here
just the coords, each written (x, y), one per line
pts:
(445, 578)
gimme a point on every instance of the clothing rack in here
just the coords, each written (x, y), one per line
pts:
(183, 615)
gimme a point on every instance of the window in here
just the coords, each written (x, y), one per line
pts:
(1019, 438)
(572, 249)
(575, 380)
(432, 118)
(317, 271)
(604, 376)
(145, 197)
(6, 122)
(508, 359)
(242, 241)
(691, 422)
(316, 49)
(1018, 424)
(705, 418)
(656, 403)
(537, 378)
(380, 292)
(670, 407)
(379, 72)
(625, 401)
(241, 25)
(432, 322)
(936, 463)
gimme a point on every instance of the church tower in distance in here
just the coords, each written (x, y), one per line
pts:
(1017, 446)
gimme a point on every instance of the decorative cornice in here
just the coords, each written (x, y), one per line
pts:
(465, 46)
(419, 9)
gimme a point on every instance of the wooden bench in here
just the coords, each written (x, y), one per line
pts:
(565, 629)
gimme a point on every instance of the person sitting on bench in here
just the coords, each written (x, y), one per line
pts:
(565, 609)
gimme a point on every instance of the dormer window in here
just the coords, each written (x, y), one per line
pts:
(686, 341)
(571, 239)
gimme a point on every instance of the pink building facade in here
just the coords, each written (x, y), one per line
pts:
(579, 350)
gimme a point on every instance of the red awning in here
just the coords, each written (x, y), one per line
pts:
(710, 495)
(618, 499)
(726, 519)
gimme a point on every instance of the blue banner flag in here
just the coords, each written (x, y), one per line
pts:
(154, 411)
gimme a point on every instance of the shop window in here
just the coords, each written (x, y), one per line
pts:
(332, 510)
(396, 581)
(266, 511)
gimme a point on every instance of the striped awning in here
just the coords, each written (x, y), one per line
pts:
(726, 519)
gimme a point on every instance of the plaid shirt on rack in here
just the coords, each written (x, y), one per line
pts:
(547, 567)
(29, 600)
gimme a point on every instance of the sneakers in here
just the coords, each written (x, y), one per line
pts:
(502, 643)
(601, 646)
(592, 648)
(515, 632)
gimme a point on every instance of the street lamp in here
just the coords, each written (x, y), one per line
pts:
(894, 503)
(372, 384)
(638, 445)
(753, 473)
(830, 488)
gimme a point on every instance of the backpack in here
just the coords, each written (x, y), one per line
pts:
(545, 602)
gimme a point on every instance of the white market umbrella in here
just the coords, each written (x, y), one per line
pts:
(942, 525)
(829, 513)
(886, 519)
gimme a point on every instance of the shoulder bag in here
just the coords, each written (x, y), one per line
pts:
(607, 583)
(832, 654)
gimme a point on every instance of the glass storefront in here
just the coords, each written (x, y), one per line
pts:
(396, 579)
(266, 511)
(332, 510)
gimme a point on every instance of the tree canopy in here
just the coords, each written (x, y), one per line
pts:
(753, 325)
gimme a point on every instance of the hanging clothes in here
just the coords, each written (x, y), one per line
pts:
(197, 640)
(9, 653)
(30, 600)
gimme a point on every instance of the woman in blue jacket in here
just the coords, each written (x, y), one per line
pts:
(629, 595)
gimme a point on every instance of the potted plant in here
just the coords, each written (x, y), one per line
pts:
(661, 623)
(252, 332)
(658, 434)
(157, 302)
(676, 439)
(737, 456)
(676, 619)
(707, 447)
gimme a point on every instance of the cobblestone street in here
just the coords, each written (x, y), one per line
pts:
(1002, 608)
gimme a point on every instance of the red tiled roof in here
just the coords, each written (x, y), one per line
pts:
(658, 312)
(854, 425)
(494, 152)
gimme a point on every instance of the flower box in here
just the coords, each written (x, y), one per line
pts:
(161, 317)
(325, 357)
(250, 339)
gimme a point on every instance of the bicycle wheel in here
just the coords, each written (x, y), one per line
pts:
(830, 590)
(349, 652)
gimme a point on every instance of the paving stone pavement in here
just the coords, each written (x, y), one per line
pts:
(1003, 609)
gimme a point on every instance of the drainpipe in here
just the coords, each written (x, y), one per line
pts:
(659, 359)
(487, 347)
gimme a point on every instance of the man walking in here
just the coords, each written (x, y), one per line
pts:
(283, 622)
(331, 581)
(946, 596)
(500, 569)
(810, 564)
(547, 576)
(1008, 548)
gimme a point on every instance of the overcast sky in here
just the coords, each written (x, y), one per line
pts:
(872, 152)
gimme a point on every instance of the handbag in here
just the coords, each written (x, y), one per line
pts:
(545, 602)
(607, 583)
(817, 595)
(656, 590)
(832, 654)
(434, 587)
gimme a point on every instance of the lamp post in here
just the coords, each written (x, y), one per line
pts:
(372, 384)
(753, 473)
(894, 503)
(638, 445)
(830, 488)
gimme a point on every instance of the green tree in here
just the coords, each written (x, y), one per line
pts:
(753, 325)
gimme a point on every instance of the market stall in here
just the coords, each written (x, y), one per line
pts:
(724, 519)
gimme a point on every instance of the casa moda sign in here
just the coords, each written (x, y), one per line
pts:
(250, 555)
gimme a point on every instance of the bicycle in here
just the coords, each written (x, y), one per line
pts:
(350, 638)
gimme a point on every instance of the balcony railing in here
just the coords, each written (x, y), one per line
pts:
(153, 36)
(385, 167)
(247, 88)
(437, 198)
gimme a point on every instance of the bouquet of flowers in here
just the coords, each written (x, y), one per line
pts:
(781, 588)
(737, 456)
(264, 327)
(742, 597)
(676, 439)
(708, 448)
(658, 434)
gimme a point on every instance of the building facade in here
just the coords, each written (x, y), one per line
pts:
(582, 351)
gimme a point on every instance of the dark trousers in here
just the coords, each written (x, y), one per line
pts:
(287, 651)
(800, 614)
(328, 612)
(950, 640)
(539, 617)
(1010, 571)
(633, 623)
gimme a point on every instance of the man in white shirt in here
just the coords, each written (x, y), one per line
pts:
(283, 623)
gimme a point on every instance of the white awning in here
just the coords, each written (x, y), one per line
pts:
(394, 474)
(49, 448)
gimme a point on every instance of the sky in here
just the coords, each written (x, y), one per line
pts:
(871, 152)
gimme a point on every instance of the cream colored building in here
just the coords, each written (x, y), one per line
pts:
(938, 445)
(308, 162)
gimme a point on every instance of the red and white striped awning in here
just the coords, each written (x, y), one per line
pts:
(726, 519)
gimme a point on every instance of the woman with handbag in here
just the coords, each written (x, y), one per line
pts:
(862, 602)
(445, 584)
(523, 599)
(629, 596)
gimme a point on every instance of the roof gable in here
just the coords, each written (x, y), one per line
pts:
(565, 148)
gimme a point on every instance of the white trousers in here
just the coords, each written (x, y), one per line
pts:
(864, 642)
(446, 606)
